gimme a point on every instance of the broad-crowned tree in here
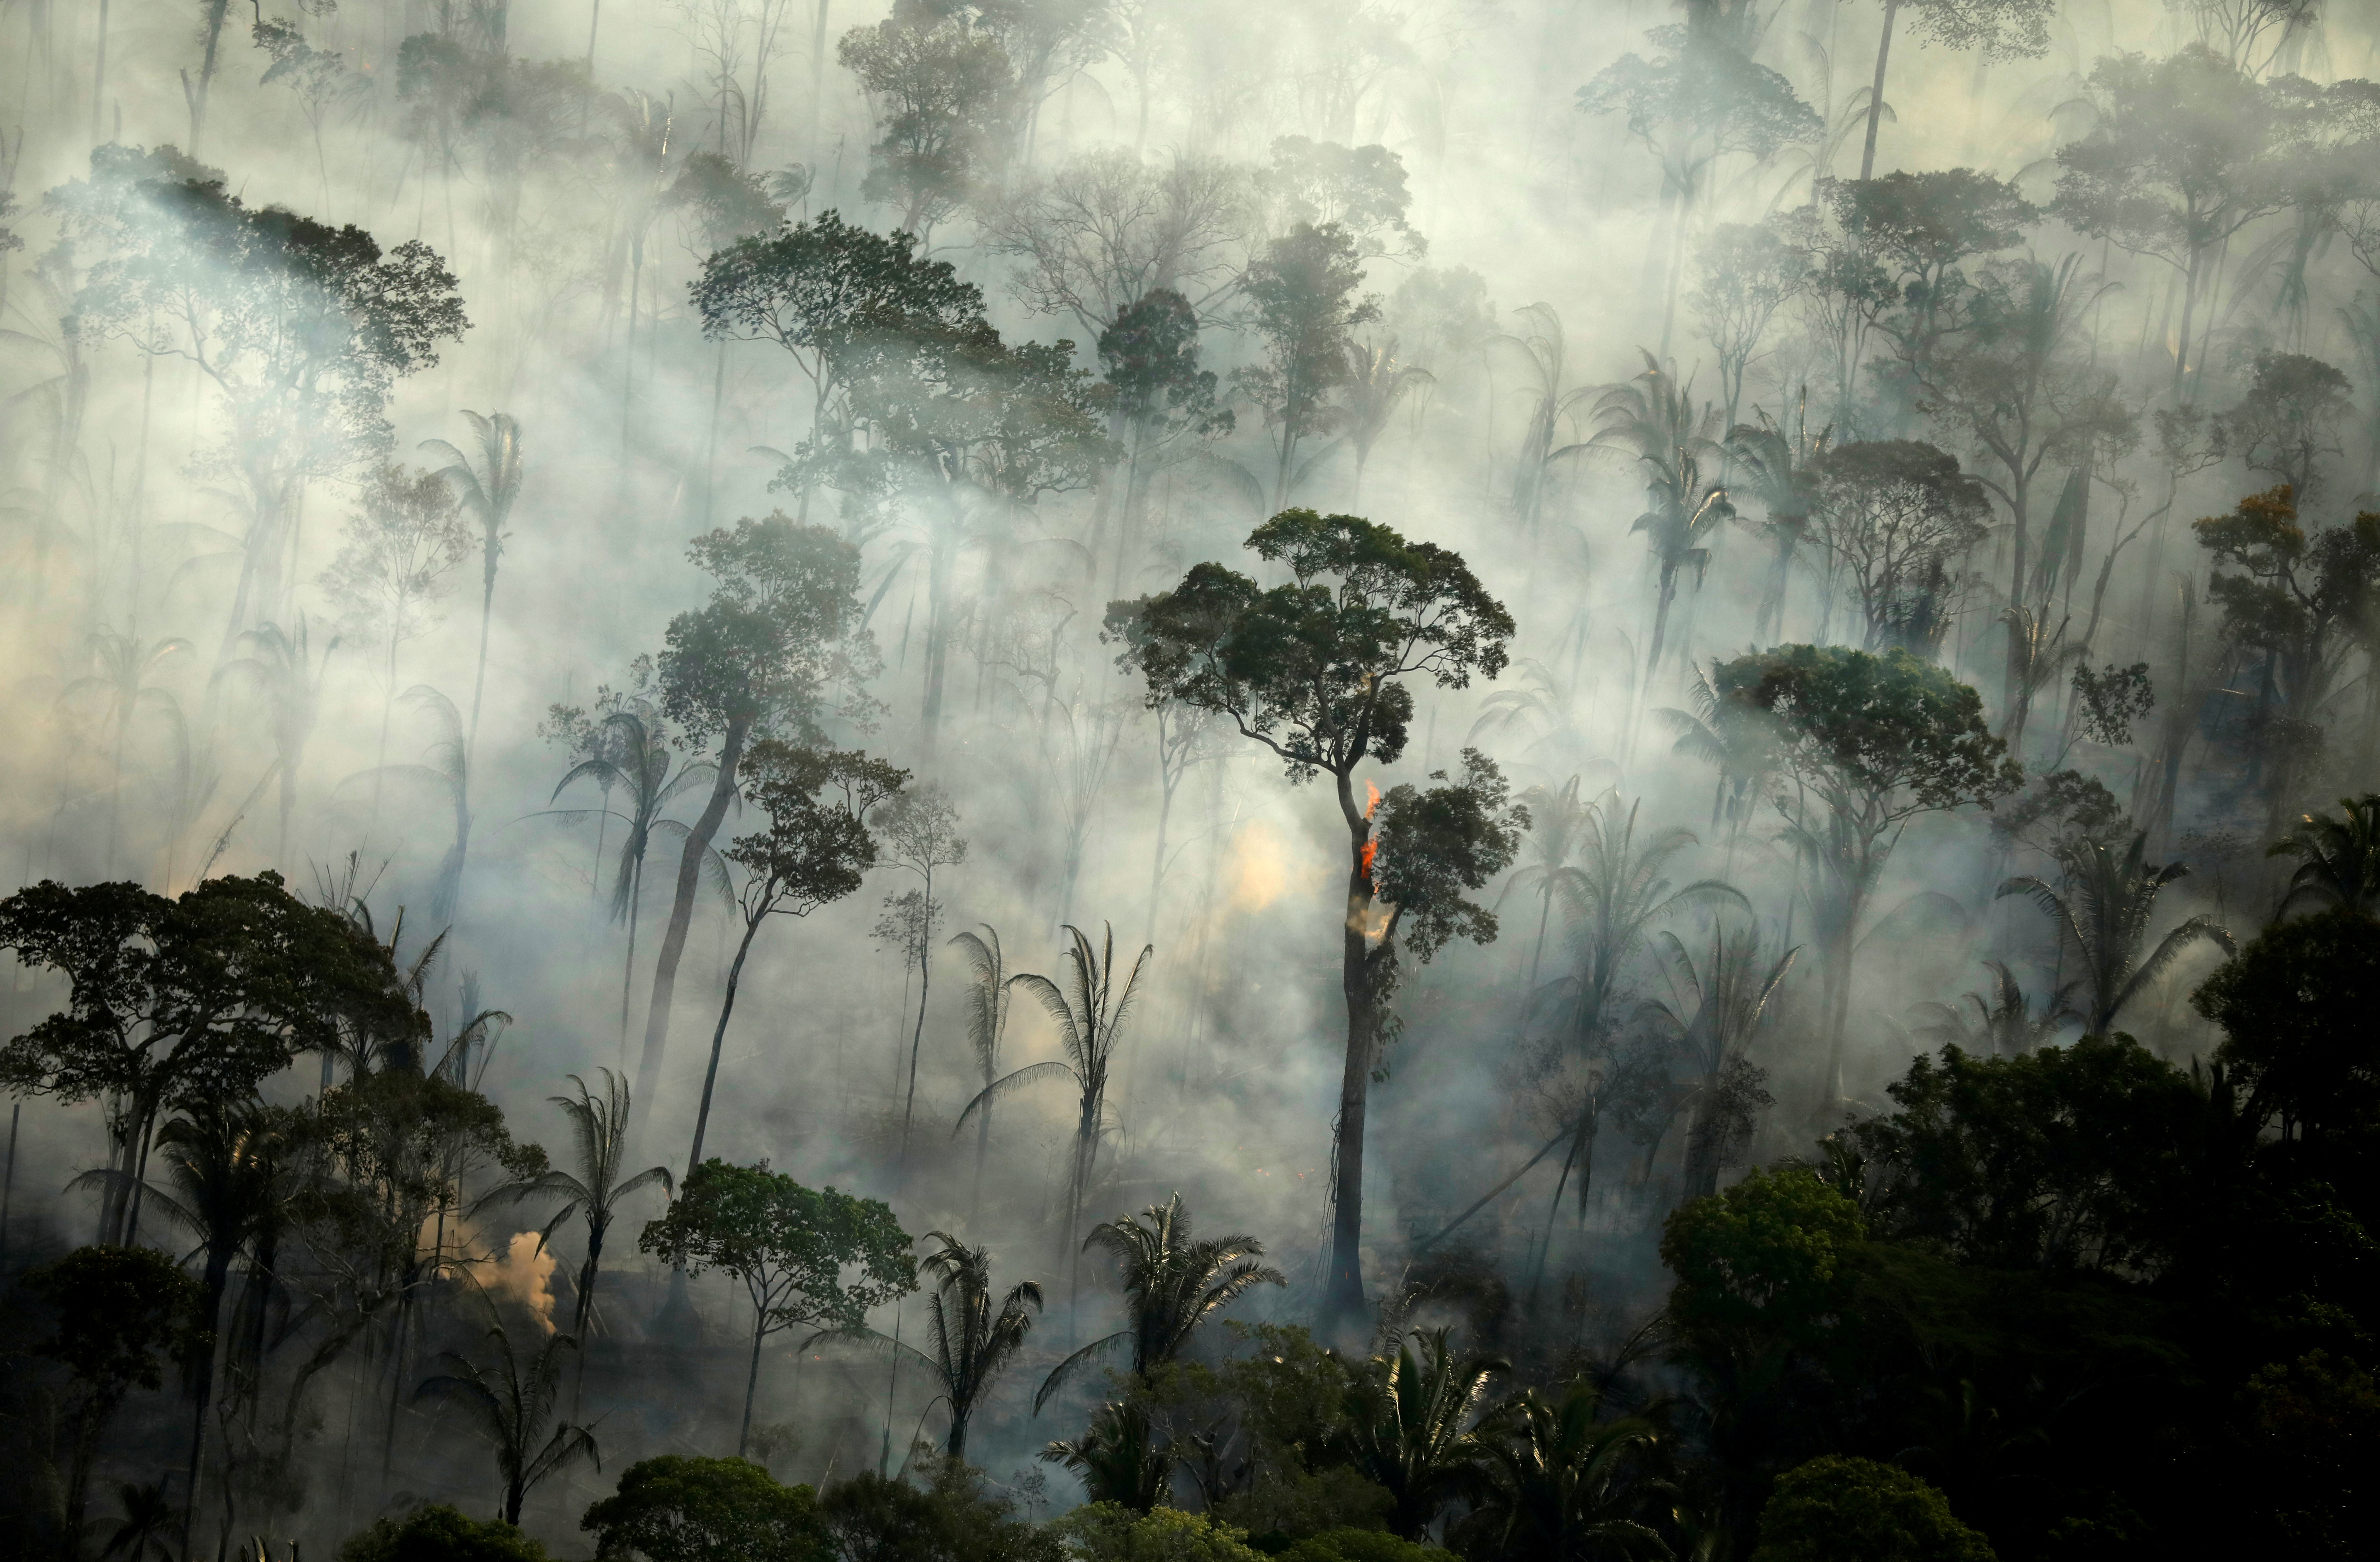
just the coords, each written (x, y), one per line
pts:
(1320, 670)
(1302, 293)
(1359, 189)
(944, 95)
(1107, 229)
(812, 849)
(2287, 421)
(1914, 232)
(1743, 273)
(1165, 402)
(2294, 603)
(811, 1258)
(1895, 518)
(817, 290)
(2295, 1009)
(677, 1509)
(1868, 742)
(190, 1000)
(2184, 153)
(780, 635)
(302, 330)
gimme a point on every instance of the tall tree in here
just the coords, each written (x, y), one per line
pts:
(1719, 1007)
(1653, 417)
(509, 1396)
(791, 1246)
(1320, 670)
(942, 93)
(1869, 742)
(921, 835)
(1302, 291)
(1997, 30)
(987, 996)
(974, 1337)
(1894, 518)
(812, 849)
(780, 635)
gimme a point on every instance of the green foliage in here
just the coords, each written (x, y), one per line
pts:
(813, 846)
(1763, 1258)
(1302, 290)
(1120, 1457)
(673, 1508)
(1407, 1426)
(950, 1518)
(1107, 1531)
(1362, 1546)
(439, 1533)
(1838, 1509)
(2339, 859)
(790, 1245)
(121, 1313)
(781, 628)
(1317, 672)
(1436, 843)
(2310, 1427)
(2296, 1009)
(943, 94)
(2288, 420)
(2103, 915)
(2055, 1159)
(1560, 1482)
(1284, 1502)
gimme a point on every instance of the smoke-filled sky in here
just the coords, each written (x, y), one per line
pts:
(1523, 252)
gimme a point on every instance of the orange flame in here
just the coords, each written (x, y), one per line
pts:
(1371, 849)
(1371, 799)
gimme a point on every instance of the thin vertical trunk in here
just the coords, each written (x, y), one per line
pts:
(718, 1039)
(752, 1381)
(918, 1036)
(1343, 1297)
(1876, 91)
(98, 75)
(689, 883)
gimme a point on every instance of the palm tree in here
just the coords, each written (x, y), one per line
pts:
(120, 680)
(282, 666)
(987, 1003)
(1556, 820)
(599, 1126)
(1740, 748)
(486, 491)
(1407, 1427)
(146, 1529)
(1544, 348)
(447, 773)
(1376, 382)
(1172, 1282)
(1118, 1458)
(1718, 1010)
(973, 1344)
(510, 1400)
(1772, 464)
(631, 754)
(1091, 1013)
(2338, 859)
(2104, 920)
(1615, 895)
(1653, 417)
(1562, 1485)
(2004, 1023)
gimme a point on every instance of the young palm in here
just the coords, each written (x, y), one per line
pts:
(2104, 920)
(1653, 417)
(1118, 1458)
(1563, 1486)
(120, 682)
(987, 1021)
(509, 1399)
(147, 1530)
(1556, 820)
(1376, 382)
(1731, 742)
(973, 1342)
(486, 491)
(1614, 896)
(2003, 1024)
(1408, 1427)
(446, 774)
(2339, 859)
(1543, 348)
(281, 666)
(1718, 1009)
(1772, 462)
(631, 754)
(1092, 1012)
(599, 1128)
(1173, 1281)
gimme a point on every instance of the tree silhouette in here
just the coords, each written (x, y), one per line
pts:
(509, 1398)
(1998, 29)
(124, 664)
(1317, 673)
(920, 834)
(781, 628)
(1870, 743)
(1302, 291)
(1166, 401)
(280, 665)
(486, 491)
(1092, 1010)
(1563, 1482)
(942, 94)
(1544, 348)
(1892, 518)
(1407, 1426)
(1376, 382)
(987, 997)
(1653, 417)
(812, 849)
(790, 1245)
(2104, 916)
(2339, 859)
(1173, 1282)
(1119, 1457)
(599, 1132)
(1743, 275)
(974, 1339)
(2005, 1024)
(1719, 1008)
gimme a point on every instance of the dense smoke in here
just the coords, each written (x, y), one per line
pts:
(691, 538)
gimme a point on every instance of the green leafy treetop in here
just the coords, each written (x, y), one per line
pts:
(791, 1246)
(2297, 1007)
(1319, 670)
(1108, 1531)
(1763, 1259)
(673, 1509)
(1838, 1509)
(439, 1533)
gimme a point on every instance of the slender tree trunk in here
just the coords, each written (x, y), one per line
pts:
(918, 1036)
(1343, 1297)
(213, 25)
(751, 1380)
(98, 76)
(1876, 91)
(718, 1039)
(479, 676)
(628, 966)
(690, 883)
